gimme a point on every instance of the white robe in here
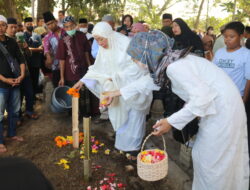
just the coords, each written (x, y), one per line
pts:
(114, 70)
(220, 153)
(136, 88)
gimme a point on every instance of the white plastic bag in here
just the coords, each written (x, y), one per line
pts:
(41, 78)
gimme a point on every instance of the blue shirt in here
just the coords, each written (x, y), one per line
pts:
(94, 49)
(236, 64)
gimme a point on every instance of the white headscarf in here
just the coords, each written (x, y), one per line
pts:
(114, 58)
(3, 19)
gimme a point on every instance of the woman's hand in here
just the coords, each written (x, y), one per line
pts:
(110, 95)
(161, 127)
(78, 85)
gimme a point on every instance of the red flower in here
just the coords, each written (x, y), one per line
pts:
(121, 185)
(105, 187)
(111, 174)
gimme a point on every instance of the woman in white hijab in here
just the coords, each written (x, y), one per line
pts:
(112, 70)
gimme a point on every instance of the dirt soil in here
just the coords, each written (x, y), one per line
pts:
(39, 147)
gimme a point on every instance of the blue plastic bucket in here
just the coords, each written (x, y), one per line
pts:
(60, 100)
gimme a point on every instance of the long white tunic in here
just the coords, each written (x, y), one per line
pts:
(129, 115)
(114, 70)
(220, 153)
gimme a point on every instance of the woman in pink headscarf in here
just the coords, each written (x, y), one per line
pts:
(137, 27)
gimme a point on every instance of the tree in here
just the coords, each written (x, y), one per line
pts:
(150, 12)
(199, 14)
(14, 8)
(94, 9)
(238, 9)
(211, 21)
(43, 6)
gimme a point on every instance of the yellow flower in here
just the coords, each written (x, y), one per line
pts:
(82, 157)
(94, 151)
(102, 144)
(107, 151)
(66, 166)
(63, 161)
(69, 138)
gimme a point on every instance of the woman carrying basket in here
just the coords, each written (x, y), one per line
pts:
(220, 152)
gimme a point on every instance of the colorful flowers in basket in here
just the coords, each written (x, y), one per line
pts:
(74, 92)
(152, 156)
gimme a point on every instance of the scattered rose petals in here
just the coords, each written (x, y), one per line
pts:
(121, 185)
(111, 174)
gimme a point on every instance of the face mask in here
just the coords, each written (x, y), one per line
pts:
(71, 32)
(30, 28)
(84, 30)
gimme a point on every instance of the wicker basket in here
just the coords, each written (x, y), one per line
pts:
(152, 171)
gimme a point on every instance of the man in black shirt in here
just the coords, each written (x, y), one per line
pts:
(9, 85)
(34, 42)
(26, 87)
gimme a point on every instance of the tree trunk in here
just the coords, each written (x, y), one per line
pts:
(199, 14)
(33, 8)
(123, 5)
(43, 6)
(207, 16)
(10, 8)
(63, 5)
(234, 10)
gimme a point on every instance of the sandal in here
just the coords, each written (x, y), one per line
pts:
(132, 156)
(16, 138)
(32, 116)
(3, 148)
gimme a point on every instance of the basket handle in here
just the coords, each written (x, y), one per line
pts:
(144, 142)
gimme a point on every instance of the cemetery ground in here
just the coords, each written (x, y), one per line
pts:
(109, 166)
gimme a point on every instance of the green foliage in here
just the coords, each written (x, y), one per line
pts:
(151, 12)
(21, 7)
(94, 10)
(242, 9)
(212, 21)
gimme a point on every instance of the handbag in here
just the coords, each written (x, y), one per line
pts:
(14, 65)
(174, 104)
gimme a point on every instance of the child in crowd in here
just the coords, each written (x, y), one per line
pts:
(235, 59)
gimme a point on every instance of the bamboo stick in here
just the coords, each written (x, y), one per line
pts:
(87, 160)
(75, 122)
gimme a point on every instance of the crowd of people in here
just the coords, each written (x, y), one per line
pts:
(127, 66)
